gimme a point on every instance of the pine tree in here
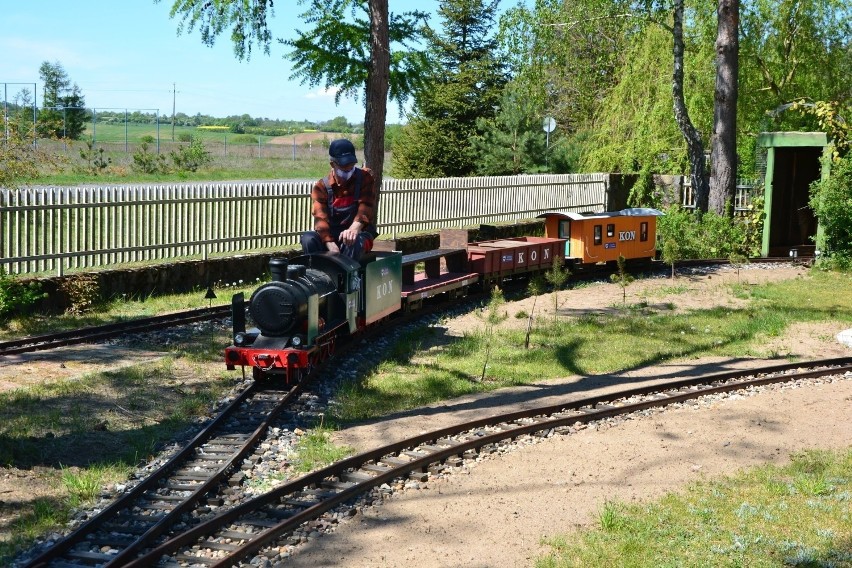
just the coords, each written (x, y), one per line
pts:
(62, 112)
(464, 87)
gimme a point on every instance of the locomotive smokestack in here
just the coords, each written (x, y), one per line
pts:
(278, 269)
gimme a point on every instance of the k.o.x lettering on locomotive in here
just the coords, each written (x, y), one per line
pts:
(315, 300)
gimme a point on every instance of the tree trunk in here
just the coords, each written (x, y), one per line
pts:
(723, 157)
(694, 146)
(376, 95)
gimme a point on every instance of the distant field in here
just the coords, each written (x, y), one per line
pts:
(234, 156)
(112, 133)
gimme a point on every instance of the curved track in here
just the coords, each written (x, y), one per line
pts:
(183, 490)
(237, 532)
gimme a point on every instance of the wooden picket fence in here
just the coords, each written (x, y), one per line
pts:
(60, 229)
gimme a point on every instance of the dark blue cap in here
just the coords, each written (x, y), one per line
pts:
(342, 151)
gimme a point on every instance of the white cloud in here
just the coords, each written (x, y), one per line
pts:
(323, 93)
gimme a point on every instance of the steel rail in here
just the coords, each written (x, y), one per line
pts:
(140, 325)
(163, 472)
(385, 463)
(107, 331)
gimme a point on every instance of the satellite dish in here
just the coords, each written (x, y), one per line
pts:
(549, 124)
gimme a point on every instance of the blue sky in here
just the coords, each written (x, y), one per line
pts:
(126, 54)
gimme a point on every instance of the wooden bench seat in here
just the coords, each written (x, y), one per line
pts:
(455, 260)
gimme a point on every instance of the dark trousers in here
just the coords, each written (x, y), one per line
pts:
(311, 242)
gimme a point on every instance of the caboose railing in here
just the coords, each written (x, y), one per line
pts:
(56, 229)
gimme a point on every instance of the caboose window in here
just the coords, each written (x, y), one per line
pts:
(643, 231)
(598, 235)
(565, 229)
(610, 230)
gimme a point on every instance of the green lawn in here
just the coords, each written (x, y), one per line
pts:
(637, 336)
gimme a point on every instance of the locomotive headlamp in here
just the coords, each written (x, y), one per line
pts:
(244, 338)
(296, 341)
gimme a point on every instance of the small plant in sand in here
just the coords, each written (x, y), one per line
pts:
(493, 314)
(622, 278)
(557, 276)
(535, 289)
(672, 252)
(738, 260)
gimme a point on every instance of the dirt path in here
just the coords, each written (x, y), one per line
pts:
(496, 513)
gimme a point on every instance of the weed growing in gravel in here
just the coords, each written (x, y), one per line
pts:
(797, 515)
(315, 450)
(84, 485)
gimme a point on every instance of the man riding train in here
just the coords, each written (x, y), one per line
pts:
(343, 206)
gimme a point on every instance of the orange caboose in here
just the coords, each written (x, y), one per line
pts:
(602, 237)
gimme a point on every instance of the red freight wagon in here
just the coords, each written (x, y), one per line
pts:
(602, 237)
(504, 257)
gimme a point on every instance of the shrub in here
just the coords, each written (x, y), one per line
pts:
(190, 158)
(95, 160)
(84, 293)
(708, 235)
(148, 139)
(831, 201)
(184, 137)
(243, 139)
(147, 162)
(17, 297)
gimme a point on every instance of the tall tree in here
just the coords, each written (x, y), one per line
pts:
(463, 87)
(362, 52)
(723, 155)
(63, 106)
(566, 55)
(694, 143)
(348, 54)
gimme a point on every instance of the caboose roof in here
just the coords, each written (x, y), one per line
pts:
(631, 212)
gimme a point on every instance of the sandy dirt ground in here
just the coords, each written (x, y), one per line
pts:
(497, 513)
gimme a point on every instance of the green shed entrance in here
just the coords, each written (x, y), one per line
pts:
(793, 162)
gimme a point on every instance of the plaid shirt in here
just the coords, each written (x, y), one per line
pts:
(344, 194)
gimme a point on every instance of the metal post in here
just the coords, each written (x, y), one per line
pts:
(174, 96)
(94, 125)
(158, 131)
(125, 131)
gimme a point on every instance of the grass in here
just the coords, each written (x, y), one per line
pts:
(797, 515)
(223, 168)
(230, 162)
(59, 433)
(314, 450)
(587, 345)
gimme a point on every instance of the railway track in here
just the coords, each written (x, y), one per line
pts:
(233, 534)
(185, 489)
(141, 325)
(108, 331)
